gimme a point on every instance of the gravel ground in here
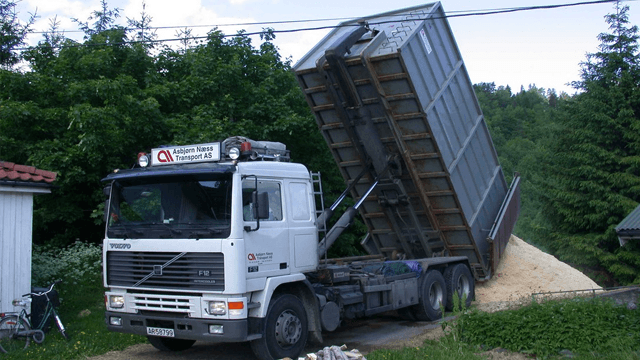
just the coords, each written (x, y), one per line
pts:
(524, 270)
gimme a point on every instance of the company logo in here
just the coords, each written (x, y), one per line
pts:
(251, 257)
(120, 246)
(157, 270)
(165, 156)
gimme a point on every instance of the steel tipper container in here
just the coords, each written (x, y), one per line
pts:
(394, 102)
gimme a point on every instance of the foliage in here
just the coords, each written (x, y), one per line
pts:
(103, 20)
(522, 127)
(588, 327)
(86, 109)
(78, 265)
(12, 33)
(594, 173)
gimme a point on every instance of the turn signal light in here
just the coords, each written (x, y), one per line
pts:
(236, 305)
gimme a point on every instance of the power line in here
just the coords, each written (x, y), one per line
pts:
(450, 14)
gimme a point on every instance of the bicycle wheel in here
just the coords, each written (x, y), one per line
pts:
(10, 326)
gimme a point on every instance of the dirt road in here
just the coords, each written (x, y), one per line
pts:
(386, 331)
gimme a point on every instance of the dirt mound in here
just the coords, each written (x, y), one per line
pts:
(526, 270)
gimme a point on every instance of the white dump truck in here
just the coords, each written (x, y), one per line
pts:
(226, 241)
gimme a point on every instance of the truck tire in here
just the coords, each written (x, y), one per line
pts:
(285, 329)
(432, 297)
(459, 279)
(169, 344)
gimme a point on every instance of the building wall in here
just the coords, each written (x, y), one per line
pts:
(16, 218)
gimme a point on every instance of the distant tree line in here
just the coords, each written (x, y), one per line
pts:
(85, 108)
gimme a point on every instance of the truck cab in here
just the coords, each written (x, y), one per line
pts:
(194, 235)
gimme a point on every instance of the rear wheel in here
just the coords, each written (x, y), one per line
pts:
(285, 333)
(432, 296)
(459, 280)
(10, 327)
(169, 344)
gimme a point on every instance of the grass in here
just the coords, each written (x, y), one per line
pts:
(444, 349)
(82, 305)
(579, 328)
(582, 328)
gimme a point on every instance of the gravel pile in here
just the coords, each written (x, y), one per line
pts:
(525, 270)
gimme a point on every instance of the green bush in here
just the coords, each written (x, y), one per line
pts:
(77, 264)
(587, 327)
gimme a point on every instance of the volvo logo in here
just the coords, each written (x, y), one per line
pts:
(120, 246)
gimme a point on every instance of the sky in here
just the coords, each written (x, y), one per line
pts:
(519, 49)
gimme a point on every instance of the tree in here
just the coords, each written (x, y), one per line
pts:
(88, 108)
(142, 33)
(103, 20)
(595, 171)
(521, 126)
(12, 33)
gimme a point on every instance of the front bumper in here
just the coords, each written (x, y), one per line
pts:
(184, 328)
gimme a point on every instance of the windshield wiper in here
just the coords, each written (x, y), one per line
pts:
(173, 231)
(208, 231)
(125, 233)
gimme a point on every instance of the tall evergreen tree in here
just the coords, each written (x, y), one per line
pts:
(596, 168)
(12, 33)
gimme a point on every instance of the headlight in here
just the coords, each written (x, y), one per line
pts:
(116, 301)
(234, 153)
(143, 160)
(217, 308)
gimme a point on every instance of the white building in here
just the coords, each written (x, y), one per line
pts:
(18, 184)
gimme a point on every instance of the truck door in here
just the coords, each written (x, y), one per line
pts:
(268, 247)
(302, 227)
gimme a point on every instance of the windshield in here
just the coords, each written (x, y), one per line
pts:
(193, 206)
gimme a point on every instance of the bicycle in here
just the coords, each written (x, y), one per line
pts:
(16, 331)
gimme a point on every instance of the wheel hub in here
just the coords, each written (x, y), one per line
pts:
(462, 286)
(288, 328)
(435, 295)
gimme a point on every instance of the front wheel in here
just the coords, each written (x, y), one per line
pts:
(169, 344)
(10, 339)
(285, 332)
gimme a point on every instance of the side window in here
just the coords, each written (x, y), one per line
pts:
(275, 199)
(300, 204)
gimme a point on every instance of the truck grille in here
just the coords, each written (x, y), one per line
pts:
(190, 271)
(165, 303)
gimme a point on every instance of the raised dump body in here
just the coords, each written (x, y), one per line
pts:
(393, 100)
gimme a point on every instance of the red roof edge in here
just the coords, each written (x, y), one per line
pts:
(23, 173)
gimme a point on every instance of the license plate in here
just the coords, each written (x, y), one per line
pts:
(153, 331)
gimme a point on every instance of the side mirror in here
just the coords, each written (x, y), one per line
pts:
(261, 200)
(107, 193)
